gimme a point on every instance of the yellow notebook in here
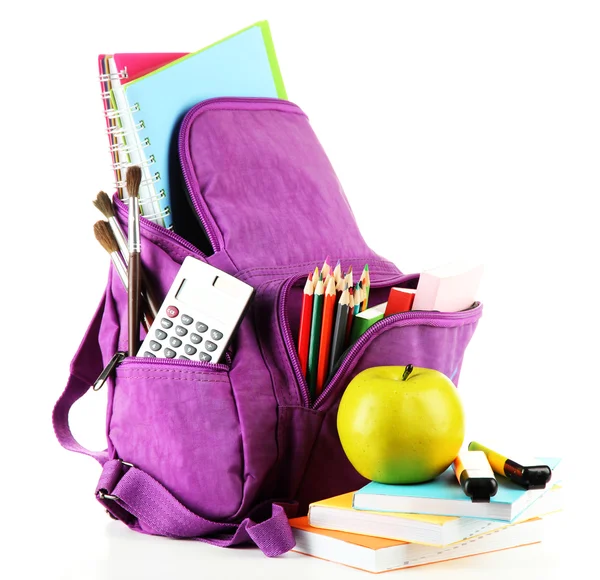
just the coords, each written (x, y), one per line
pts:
(337, 513)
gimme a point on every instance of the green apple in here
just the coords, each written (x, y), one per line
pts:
(401, 424)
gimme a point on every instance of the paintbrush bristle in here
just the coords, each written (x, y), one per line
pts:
(105, 236)
(104, 204)
(133, 180)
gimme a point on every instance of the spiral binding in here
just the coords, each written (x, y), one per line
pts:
(121, 148)
(116, 113)
(118, 131)
(123, 183)
(123, 165)
(159, 215)
(108, 77)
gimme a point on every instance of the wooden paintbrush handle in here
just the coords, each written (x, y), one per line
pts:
(133, 303)
(148, 291)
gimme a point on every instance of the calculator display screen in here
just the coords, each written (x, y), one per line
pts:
(189, 293)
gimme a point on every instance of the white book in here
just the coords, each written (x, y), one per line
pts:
(379, 555)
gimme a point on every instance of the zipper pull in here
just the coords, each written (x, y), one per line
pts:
(108, 369)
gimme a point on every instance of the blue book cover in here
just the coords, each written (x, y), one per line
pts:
(444, 496)
(241, 65)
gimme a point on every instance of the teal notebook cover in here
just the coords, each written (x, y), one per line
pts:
(241, 65)
(446, 488)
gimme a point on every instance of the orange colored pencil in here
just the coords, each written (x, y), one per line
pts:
(326, 331)
(305, 322)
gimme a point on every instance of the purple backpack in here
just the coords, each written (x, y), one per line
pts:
(225, 453)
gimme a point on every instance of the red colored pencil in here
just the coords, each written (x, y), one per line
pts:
(305, 321)
(326, 331)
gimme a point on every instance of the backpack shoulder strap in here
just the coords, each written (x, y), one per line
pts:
(85, 367)
(134, 497)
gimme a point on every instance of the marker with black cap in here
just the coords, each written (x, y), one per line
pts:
(528, 476)
(475, 475)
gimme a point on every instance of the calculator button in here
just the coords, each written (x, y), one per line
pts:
(210, 346)
(175, 342)
(160, 334)
(183, 357)
(195, 338)
(189, 349)
(170, 353)
(155, 345)
(201, 327)
(149, 354)
(165, 323)
(186, 319)
(205, 357)
(216, 335)
(172, 311)
(180, 331)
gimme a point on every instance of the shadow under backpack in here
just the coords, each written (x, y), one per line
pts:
(225, 453)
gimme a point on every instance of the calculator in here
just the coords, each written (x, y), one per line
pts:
(199, 315)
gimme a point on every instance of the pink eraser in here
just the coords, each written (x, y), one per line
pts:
(448, 288)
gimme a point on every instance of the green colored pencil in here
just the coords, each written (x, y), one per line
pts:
(315, 337)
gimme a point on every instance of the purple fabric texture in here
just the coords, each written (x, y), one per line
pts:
(209, 442)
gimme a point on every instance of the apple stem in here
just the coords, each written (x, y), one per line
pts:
(407, 371)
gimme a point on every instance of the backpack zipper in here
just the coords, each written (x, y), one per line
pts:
(120, 357)
(431, 318)
(147, 224)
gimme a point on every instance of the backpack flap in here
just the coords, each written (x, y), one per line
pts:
(262, 185)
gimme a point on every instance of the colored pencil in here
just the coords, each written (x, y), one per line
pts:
(366, 286)
(326, 332)
(350, 315)
(305, 322)
(338, 340)
(358, 298)
(326, 269)
(349, 278)
(337, 273)
(315, 337)
(315, 277)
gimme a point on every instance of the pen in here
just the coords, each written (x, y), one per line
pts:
(528, 476)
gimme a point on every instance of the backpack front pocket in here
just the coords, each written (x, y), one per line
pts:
(178, 421)
(429, 339)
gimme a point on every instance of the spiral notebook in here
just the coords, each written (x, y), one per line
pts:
(132, 66)
(143, 114)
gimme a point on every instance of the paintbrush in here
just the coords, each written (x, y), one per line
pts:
(104, 204)
(133, 179)
(104, 235)
(107, 240)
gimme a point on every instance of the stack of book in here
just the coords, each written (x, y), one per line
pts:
(386, 527)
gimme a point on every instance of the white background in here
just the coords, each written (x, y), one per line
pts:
(458, 129)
